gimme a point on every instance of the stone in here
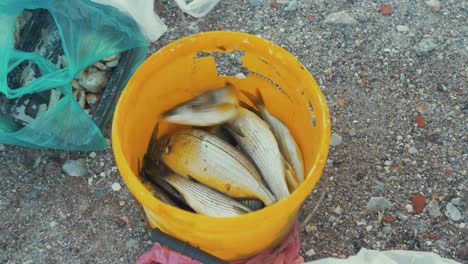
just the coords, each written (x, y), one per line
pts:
(292, 5)
(352, 132)
(425, 46)
(53, 223)
(433, 209)
(122, 203)
(409, 208)
(455, 201)
(412, 150)
(376, 203)
(389, 219)
(131, 243)
(434, 5)
(338, 210)
(452, 212)
(92, 155)
(387, 230)
(368, 228)
(116, 186)
(420, 121)
(422, 107)
(2, 147)
(386, 9)
(419, 202)
(310, 252)
(335, 139)
(340, 18)
(402, 28)
(76, 168)
(255, 2)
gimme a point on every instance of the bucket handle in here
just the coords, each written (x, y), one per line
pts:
(184, 248)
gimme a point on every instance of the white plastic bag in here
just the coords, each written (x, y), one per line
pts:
(142, 11)
(197, 8)
(366, 256)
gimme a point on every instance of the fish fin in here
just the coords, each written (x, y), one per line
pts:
(252, 98)
(250, 108)
(235, 131)
(260, 100)
(153, 140)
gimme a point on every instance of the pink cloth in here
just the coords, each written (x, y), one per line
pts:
(290, 255)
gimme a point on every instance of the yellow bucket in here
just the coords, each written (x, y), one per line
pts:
(177, 73)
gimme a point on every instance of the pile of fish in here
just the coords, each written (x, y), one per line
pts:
(229, 159)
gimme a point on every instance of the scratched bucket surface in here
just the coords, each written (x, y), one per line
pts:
(179, 72)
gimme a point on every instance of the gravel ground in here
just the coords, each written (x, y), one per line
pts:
(394, 74)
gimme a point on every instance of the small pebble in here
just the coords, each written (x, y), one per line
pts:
(425, 46)
(131, 243)
(122, 203)
(352, 132)
(409, 208)
(48, 247)
(92, 155)
(434, 5)
(453, 212)
(402, 217)
(310, 228)
(412, 150)
(53, 224)
(455, 201)
(428, 243)
(386, 10)
(402, 28)
(90, 180)
(116, 186)
(310, 252)
(102, 174)
(340, 18)
(240, 75)
(292, 5)
(335, 139)
(387, 230)
(462, 225)
(378, 203)
(338, 210)
(255, 2)
(2, 147)
(368, 228)
(433, 209)
(76, 168)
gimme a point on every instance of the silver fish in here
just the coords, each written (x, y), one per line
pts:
(203, 156)
(210, 108)
(286, 142)
(256, 139)
(205, 200)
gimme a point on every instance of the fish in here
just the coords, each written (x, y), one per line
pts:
(286, 142)
(290, 176)
(208, 109)
(153, 170)
(159, 193)
(256, 140)
(205, 200)
(213, 162)
(253, 204)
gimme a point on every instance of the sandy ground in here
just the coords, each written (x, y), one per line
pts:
(395, 81)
